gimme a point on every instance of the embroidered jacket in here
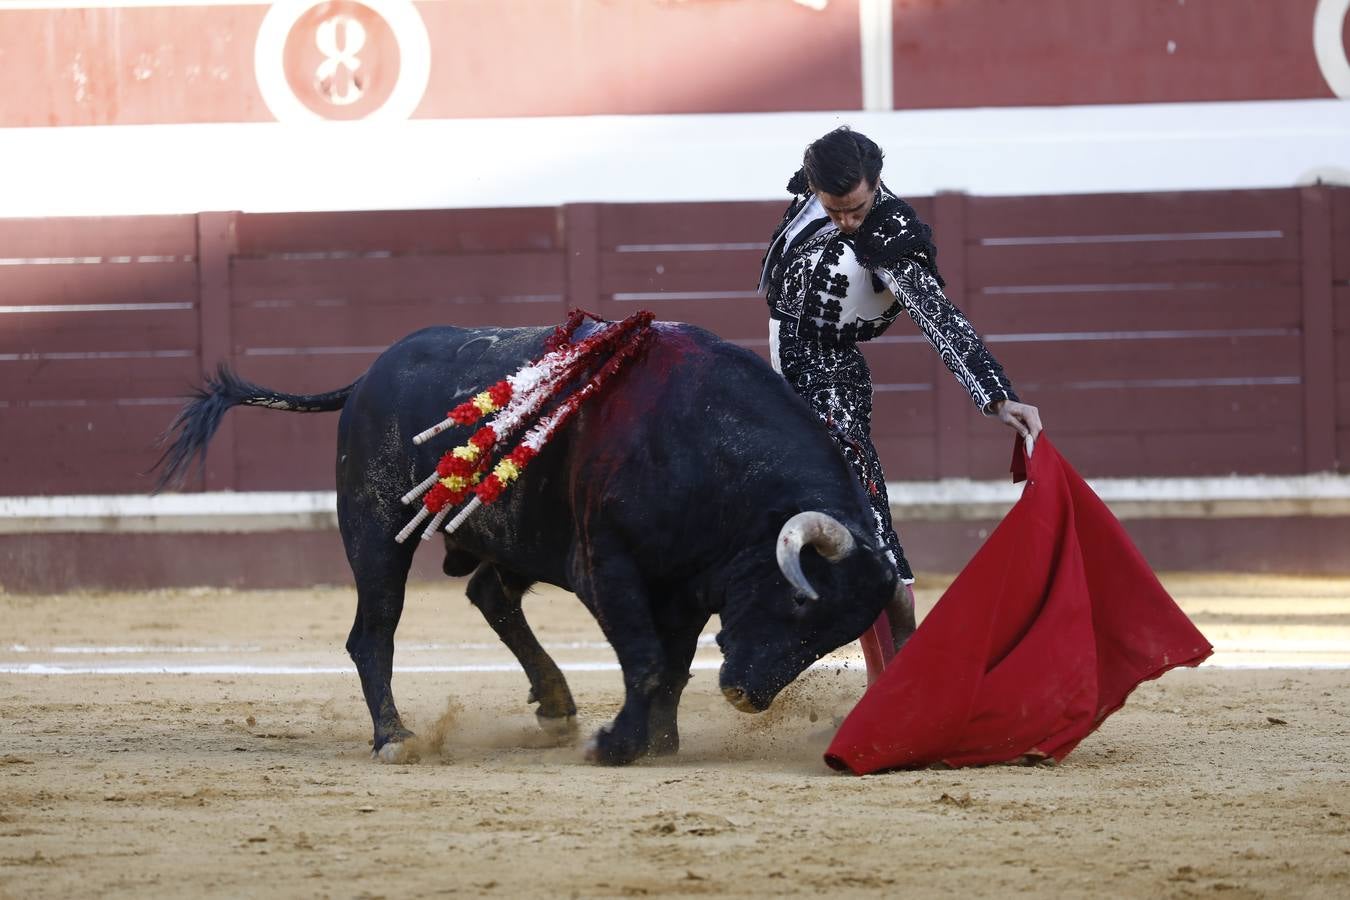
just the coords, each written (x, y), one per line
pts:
(839, 289)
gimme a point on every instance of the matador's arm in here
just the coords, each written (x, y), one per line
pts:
(950, 333)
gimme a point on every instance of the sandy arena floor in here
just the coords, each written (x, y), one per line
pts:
(213, 743)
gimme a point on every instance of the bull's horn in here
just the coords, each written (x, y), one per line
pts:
(828, 535)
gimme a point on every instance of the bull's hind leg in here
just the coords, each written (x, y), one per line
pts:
(381, 570)
(497, 594)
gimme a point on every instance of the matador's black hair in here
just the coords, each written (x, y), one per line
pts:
(837, 162)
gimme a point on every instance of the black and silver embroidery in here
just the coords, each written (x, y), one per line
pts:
(839, 289)
(837, 383)
(950, 333)
(829, 292)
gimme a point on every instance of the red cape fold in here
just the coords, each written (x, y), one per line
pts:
(1053, 623)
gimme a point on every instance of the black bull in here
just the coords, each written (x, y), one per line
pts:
(694, 485)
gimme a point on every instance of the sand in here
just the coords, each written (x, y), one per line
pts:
(214, 743)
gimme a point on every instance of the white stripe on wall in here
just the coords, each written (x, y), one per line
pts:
(1130, 238)
(268, 167)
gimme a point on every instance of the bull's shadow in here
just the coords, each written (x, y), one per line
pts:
(698, 483)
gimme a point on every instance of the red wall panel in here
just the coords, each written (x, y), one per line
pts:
(131, 66)
(138, 65)
(520, 57)
(1174, 352)
(1062, 52)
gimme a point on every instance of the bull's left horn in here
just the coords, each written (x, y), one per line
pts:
(827, 534)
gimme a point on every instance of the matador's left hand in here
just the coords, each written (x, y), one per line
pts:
(1023, 418)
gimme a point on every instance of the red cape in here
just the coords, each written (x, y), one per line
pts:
(1053, 623)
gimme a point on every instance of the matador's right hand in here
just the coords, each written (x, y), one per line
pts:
(1023, 418)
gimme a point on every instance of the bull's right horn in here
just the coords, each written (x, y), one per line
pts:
(827, 534)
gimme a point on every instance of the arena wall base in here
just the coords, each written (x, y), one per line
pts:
(56, 563)
(44, 563)
(1292, 546)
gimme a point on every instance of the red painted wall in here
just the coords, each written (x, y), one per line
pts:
(957, 53)
(504, 58)
(527, 58)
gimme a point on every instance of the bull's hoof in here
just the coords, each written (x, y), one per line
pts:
(395, 753)
(560, 727)
(664, 743)
(606, 749)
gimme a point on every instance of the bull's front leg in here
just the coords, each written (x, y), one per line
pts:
(609, 584)
(679, 625)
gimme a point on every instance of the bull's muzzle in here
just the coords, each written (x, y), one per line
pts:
(740, 699)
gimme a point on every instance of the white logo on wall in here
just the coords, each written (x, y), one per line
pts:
(1329, 44)
(342, 59)
(340, 39)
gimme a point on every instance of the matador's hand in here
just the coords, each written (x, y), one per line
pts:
(1023, 418)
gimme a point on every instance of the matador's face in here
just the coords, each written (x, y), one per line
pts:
(847, 211)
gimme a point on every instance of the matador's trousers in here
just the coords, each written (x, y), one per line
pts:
(837, 382)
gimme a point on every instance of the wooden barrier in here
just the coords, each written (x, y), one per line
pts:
(1176, 334)
(1340, 244)
(98, 338)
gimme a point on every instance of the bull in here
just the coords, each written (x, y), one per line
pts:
(700, 484)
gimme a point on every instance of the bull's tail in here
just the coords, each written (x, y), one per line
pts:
(192, 429)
